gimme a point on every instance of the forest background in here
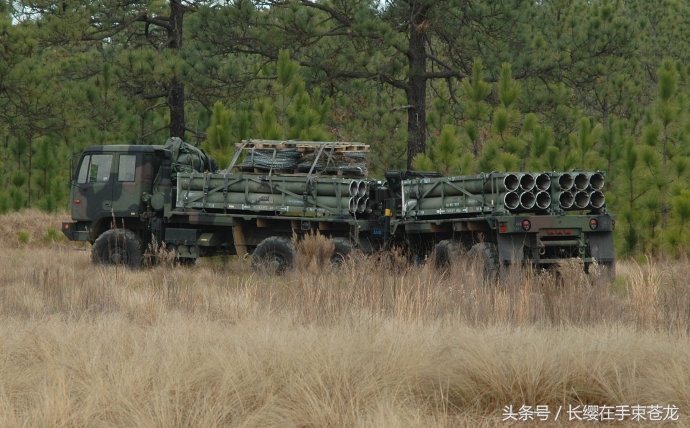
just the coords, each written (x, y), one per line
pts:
(457, 86)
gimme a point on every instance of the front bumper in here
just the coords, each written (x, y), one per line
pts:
(75, 231)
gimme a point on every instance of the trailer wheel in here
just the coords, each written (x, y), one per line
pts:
(274, 254)
(118, 247)
(445, 253)
(342, 249)
(485, 255)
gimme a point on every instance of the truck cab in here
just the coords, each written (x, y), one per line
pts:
(111, 184)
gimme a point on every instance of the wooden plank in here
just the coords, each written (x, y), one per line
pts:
(238, 237)
(314, 145)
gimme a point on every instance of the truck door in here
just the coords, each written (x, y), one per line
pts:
(92, 190)
(128, 177)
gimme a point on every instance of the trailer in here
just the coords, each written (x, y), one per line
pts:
(125, 198)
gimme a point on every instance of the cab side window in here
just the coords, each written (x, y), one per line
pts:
(127, 169)
(95, 169)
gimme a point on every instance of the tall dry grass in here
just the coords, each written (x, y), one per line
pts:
(373, 342)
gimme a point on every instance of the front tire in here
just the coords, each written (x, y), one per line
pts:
(273, 255)
(118, 247)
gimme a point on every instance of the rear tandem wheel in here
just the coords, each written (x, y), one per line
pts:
(274, 255)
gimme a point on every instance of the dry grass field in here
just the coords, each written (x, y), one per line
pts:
(375, 343)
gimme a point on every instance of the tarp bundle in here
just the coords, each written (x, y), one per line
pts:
(187, 158)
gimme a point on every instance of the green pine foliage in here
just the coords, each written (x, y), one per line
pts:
(507, 86)
(289, 112)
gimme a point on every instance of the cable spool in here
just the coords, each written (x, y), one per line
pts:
(272, 158)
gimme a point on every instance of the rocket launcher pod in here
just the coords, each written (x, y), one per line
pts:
(261, 202)
(462, 185)
(581, 199)
(362, 188)
(581, 181)
(566, 200)
(596, 199)
(354, 185)
(352, 204)
(445, 202)
(543, 182)
(245, 183)
(473, 203)
(511, 182)
(596, 181)
(511, 200)
(527, 182)
(527, 200)
(362, 203)
(543, 200)
(566, 181)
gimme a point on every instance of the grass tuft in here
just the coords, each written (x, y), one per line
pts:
(314, 253)
(376, 342)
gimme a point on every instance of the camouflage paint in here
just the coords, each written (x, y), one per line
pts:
(200, 212)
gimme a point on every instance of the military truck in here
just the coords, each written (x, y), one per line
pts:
(126, 198)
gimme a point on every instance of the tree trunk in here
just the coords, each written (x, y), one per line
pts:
(416, 88)
(176, 98)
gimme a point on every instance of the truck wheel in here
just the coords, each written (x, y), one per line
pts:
(445, 253)
(486, 255)
(118, 247)
(342, 250)
(273, 255)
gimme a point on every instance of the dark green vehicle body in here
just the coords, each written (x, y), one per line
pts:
(110, 189)
(126, 197)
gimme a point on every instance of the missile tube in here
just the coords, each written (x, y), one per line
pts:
(566, 181)
(527, 200)
(456, 186)
(275, 185)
